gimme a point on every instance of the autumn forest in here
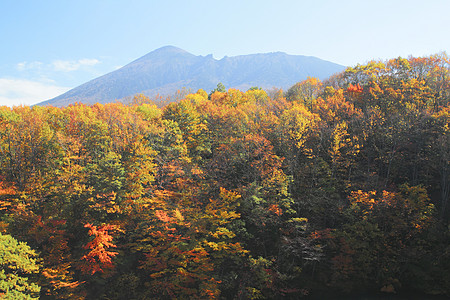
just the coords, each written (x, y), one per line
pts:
(332, 187)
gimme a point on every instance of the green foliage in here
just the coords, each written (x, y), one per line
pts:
(220, 88)
(383, 235)
(17, 261)
(149, 112)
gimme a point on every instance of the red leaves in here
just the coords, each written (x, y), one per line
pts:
(7, 190)
(99, 258)
(275, 209)
(354, 88)
(355, 92)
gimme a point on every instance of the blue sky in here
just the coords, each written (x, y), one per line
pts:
(48, 47)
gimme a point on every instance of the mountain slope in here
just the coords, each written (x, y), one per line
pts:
(168, 69)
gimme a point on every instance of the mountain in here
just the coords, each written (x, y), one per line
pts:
(168, 69)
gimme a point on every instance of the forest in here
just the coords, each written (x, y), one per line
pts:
(332, 187)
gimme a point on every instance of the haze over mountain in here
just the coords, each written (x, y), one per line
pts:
(168, 69)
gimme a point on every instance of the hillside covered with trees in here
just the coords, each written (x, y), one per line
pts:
(333, 187)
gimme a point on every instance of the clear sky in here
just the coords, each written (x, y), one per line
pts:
(48, 47)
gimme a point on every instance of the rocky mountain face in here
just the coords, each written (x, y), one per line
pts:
(169, 69)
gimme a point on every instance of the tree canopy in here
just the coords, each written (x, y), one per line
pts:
(338, 186)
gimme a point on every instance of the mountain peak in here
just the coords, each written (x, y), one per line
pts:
(168, 69)
(166, 52)
(169, 49)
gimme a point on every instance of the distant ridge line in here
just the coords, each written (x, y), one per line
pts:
(168, 69)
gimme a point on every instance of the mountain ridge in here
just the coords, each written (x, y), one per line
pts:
(167, 69)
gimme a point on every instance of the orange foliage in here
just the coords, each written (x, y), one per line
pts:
(99, 258)
(354, 89)
(275, 209)
(162, 215)
(6, 190)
